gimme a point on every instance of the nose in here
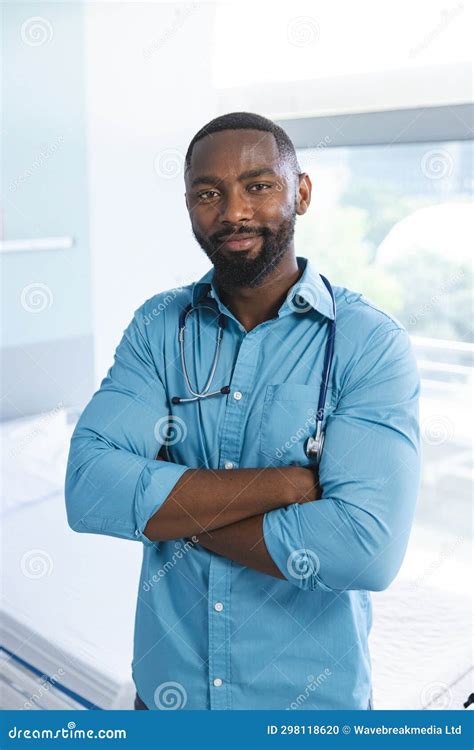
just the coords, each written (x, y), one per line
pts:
(236, 208)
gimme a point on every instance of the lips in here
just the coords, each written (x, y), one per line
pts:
(240, 241)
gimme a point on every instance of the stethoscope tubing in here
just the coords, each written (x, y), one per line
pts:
(314, 445)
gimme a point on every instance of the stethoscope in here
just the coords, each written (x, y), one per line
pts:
(314, 445)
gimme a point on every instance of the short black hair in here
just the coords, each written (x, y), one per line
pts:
(248, 121)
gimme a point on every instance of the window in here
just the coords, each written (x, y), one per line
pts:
(394, 221)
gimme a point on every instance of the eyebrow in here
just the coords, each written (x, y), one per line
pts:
(210, 179)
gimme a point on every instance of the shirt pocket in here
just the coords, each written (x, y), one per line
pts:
(288, 419)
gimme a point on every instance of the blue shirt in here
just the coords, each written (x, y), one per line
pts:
(210, 633)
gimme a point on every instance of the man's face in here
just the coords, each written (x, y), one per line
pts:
(242, 199)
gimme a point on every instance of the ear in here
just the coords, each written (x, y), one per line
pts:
(303, 197)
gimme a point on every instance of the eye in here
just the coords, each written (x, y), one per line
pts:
(207, 195)
(261, 187)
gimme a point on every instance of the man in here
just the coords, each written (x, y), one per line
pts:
(256, 570)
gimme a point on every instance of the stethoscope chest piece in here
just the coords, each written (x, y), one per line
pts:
(314, 445)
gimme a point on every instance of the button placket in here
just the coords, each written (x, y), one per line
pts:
(220, 570)
(242, 381)
(219, 574)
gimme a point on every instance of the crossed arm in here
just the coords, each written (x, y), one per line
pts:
(229, 518)
(242, 542)
(356, 534)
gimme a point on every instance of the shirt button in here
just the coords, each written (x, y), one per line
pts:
(237, 395)
(218, 606)
(217, 682)
(229, 465)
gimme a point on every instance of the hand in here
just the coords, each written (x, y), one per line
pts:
(307, 486)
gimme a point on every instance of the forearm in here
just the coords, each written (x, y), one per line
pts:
(242, 542)
(204, 499)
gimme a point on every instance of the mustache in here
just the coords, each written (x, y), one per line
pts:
(246, 231)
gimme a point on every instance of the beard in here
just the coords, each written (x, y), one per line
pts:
(236, 269)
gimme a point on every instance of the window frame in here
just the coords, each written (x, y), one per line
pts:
(387, 127)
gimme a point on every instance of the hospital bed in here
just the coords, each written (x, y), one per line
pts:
(68, 600)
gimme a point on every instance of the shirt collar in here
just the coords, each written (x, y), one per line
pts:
(310, 290)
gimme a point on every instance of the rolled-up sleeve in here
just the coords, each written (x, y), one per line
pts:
(355, 537)
(113, 482)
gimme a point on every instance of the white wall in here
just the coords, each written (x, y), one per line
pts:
(45, 293)
(148, 91)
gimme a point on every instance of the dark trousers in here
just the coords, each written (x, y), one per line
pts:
(139, 705)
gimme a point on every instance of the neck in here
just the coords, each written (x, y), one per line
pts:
(254, 305)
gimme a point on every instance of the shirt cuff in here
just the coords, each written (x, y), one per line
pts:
(297, 561)
(156, 481)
